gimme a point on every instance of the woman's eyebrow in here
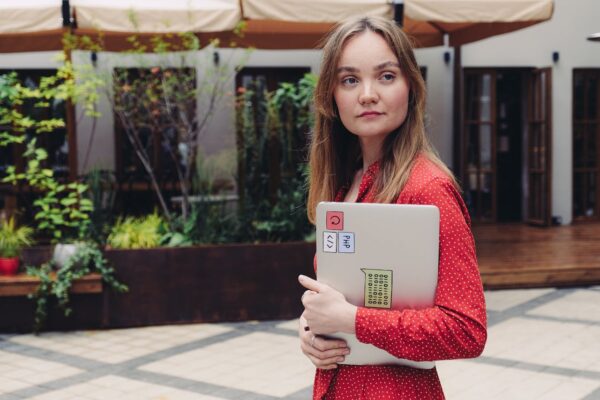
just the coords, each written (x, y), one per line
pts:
(347, 69)
(379, 67)
(385, 65)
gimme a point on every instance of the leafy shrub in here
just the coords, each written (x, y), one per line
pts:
(13, 239)
(137, 233)
(86, 260)
(272, 136)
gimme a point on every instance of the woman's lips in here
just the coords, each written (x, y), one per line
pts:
(369, 114)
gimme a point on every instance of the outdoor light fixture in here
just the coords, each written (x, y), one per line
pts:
(446, 57)
(216, 58)
(94, 58)
(398, 11)
(555, 56)
(594, 37)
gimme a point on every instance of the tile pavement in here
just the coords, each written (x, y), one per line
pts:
(542, 344)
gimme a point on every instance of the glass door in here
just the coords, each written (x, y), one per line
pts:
(586, 144)
(539, 166)
(479, 138)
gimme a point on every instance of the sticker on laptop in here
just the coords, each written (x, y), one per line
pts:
(346, 242)
(330, 242)
(334, 220)
(378, 288)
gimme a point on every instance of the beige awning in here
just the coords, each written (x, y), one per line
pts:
(23, 16)
(30, 25)
(467, 21)
(461, 11)
(157, 16)
(302, 23)
(314, 10)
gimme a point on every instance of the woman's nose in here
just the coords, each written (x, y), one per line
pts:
(367, 94)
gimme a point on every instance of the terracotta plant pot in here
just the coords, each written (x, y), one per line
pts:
(9, 266)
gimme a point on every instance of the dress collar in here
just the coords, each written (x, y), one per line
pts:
(366, 184)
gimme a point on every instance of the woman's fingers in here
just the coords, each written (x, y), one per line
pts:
(322, 352)
(335, 355)
(306, 293)
(323, 344)
(323, 364)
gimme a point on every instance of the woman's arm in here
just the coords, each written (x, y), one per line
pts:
(455, 327)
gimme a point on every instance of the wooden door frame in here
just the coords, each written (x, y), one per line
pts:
(465, 141)
(596, 217)
(547, 173)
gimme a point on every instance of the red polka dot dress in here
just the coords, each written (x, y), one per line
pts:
(454, 328)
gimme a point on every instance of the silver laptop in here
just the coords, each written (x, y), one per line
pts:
(380, 256)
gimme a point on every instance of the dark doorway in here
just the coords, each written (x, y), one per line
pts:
(509, 136)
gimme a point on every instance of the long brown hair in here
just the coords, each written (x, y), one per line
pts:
(335, 152)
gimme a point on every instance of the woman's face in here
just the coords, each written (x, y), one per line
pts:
(371, 92)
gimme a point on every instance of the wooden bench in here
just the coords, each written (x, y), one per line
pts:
(22, 285)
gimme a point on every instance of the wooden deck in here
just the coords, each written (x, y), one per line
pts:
(518, 255)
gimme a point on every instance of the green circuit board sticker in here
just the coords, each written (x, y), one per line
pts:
(378, 287)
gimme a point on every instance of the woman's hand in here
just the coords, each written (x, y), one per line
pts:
(323, 353)
(325, 309)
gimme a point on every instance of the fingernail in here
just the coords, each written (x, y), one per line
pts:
(346, 352)
(340, 359)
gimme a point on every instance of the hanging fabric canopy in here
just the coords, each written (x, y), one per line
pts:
(464, 21)
(30, 25)
(157, 16)
(467, 21)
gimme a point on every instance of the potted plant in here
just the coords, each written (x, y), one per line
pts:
(12, 240)
(137, 233)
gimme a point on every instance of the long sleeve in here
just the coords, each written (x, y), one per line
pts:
(455, 327)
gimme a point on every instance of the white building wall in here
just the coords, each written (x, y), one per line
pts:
(439, 99)
(566, 32)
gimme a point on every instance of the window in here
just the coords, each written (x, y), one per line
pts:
(56, 142)
(586, 144)
(145, 112)
(480, 137)
(268, 78)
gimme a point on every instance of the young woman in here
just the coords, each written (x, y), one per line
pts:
(369, 145)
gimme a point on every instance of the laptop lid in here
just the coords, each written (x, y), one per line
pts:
(380, 256)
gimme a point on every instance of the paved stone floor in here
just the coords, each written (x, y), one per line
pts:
(543, 344)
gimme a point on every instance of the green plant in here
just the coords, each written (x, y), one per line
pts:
(86, 260)
(102, 193)
(62, 211)
(13, 239)
(138, 233)
(271, 141)
(169, 100)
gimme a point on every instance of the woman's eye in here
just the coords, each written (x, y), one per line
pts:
(388, 77)
(349, 80)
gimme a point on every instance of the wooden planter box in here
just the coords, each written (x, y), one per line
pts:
(217, 283)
